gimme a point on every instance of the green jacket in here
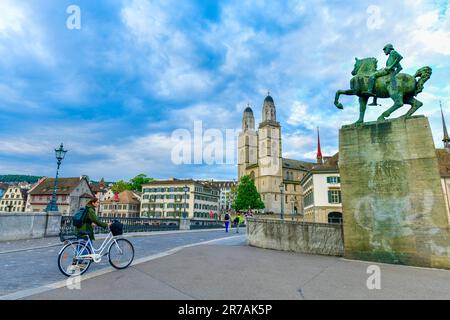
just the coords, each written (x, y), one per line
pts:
(90, 218)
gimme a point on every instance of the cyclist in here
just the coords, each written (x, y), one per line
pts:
(87, 228)
(91, 218)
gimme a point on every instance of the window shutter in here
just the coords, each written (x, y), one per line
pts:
(329, 197)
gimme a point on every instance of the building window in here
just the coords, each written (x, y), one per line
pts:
(335, 218)
(333, 180)
(309, 199)
(334, 196)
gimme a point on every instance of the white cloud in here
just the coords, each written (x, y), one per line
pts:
(21, 35)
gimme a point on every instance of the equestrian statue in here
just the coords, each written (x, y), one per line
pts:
(385, 83)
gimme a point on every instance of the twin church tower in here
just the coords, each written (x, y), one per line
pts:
(260, 156)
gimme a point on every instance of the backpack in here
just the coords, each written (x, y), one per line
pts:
(227, 217)
(79, 217)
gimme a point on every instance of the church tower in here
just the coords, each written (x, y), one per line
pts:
(319, 150)
(247, 143)
(269, 157)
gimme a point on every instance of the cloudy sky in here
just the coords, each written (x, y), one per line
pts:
(115, 90)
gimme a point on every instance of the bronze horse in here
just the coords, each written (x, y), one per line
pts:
(402, 88)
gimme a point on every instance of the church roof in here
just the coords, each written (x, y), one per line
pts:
(248, 110)
(297, 164)
(268, 99)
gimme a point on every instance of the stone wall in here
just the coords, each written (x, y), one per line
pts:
(312, 238)
(25, 225)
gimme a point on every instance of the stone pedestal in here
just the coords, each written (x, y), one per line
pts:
(393, 203)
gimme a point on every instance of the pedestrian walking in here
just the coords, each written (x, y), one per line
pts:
(237, 222)
(227, 219)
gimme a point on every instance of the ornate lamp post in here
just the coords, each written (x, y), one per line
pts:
(60, 154)
(185, 189)
(282, 195)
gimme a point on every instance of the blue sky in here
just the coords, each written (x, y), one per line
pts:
(115, 90)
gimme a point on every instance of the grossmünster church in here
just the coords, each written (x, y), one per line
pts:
(260, 156)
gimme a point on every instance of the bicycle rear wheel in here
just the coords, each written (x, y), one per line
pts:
(68, 262)
(121, 253)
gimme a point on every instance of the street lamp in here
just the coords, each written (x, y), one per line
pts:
(60, 154)
(185, 189)
(282, 195)
(293, 207)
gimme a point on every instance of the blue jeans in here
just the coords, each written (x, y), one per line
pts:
(227, 223)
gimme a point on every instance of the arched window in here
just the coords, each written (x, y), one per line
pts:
(252, 175)
(335, 218)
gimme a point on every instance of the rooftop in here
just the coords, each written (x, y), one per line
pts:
(65, 186)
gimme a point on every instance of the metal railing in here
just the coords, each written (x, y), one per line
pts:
(129, 225)
(143, 224)
(206, 224)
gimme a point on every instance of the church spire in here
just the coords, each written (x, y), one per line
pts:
(446, 139)
(319, 150)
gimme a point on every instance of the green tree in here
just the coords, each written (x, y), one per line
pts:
(121, 186)
(137, 182)
(247, 196)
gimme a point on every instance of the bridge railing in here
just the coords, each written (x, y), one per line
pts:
(206, 224)
(144, 224)
(129, 225)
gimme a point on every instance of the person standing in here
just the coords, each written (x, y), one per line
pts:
(237, 222)
(227, 219)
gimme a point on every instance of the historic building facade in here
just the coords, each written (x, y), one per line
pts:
(322, 193)
(14, 199)
(170, 198)
(126, 204)
(227, 191)
(260, 156)
(71, 194)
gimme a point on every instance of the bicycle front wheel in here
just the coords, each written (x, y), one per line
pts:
(121, 253)
(69, 261)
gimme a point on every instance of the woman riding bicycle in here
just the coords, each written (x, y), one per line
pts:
(90, 219)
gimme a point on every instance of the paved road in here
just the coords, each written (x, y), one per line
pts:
(225, 269)
(38, 267)
(231, 270)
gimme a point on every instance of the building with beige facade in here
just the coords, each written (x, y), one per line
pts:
(125, 204)
(71, 194)
(260, 156)
(168, 199)
(322, 193)
(14, 199)
(227, 190)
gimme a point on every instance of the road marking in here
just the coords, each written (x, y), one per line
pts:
(60, 284)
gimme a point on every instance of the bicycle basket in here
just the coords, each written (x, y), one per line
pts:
(116, 228)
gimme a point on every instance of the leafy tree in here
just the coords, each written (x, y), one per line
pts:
(121, 186)
(247, 196)
(19, 178)
(137, 182)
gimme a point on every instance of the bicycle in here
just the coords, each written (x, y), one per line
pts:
(78, 253)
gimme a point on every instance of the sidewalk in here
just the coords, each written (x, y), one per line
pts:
(31, 244)
(222, 271)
